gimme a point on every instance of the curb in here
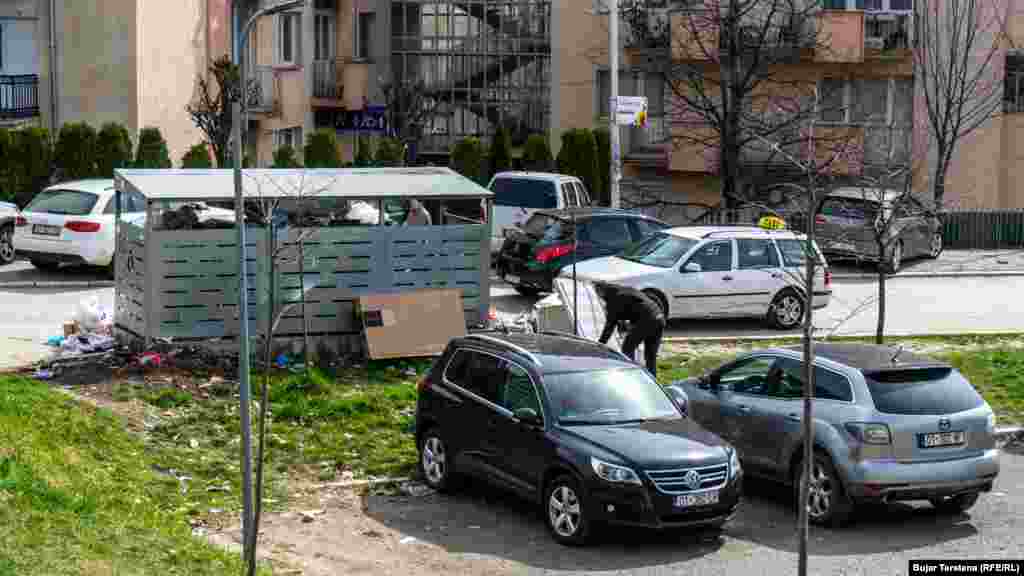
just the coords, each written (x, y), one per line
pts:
(58, 284)
(799, 337)
(937, 274)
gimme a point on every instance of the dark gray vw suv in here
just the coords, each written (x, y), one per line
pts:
(574, 427)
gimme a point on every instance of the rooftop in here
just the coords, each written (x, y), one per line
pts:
(436, 183)
(590, 211)
(94, 185)
(868, 357)
(699, 232)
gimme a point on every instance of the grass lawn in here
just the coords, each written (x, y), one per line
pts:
(996, 371)
(78, 496)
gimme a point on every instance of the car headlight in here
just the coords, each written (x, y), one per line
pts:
(735, 469)
(990, 424)
(614, 473)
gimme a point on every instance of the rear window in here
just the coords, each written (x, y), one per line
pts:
(922, 391)
(524, 193)
(852, 208)
(794, 252)
(547, 227)
(69, 202)
(661, 250)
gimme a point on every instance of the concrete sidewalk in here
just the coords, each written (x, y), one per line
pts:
(951, 263)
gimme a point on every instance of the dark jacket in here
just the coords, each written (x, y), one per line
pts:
(624, 303)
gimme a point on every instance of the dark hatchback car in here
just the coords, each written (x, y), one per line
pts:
(575, 427)
(533, 255)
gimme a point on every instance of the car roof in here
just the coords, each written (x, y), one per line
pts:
(553, 352)
(702, 232)
(869, 357)
(99, 186)
(586, 212)
(865, 193)
(536, 175)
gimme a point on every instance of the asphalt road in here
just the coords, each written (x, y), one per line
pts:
(488, 528)
(941, 305)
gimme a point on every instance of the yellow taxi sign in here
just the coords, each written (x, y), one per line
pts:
(772, 223)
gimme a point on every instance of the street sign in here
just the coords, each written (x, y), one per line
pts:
(371, 119)
(630, 111)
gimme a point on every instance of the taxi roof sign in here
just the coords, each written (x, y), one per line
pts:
(771, 223)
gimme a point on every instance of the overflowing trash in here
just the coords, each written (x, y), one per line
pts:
(198, 215)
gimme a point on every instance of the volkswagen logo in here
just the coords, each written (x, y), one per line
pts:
(944, 424)
(692, 479)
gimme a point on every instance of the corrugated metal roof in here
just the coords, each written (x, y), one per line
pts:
(365, 183)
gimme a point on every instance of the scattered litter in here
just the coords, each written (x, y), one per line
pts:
(199, 531)
(282, 361)
(372, 534)
(91, 316)
(193, 443)
(216, 510)
(55, 341)
(310, 515)
(224, 488)
(410, 372)
(43, 375)
(151, 359)
(407, 540)
(415, 489)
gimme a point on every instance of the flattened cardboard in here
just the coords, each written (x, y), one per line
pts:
(411, 324)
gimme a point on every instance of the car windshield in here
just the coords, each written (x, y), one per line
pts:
(661, 250)
(852, 208)
(69, 202)
(614, 396)
(524, 193)
(928, 391)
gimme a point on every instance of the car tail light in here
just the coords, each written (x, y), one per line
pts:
(828, 278)
(870, 433)
(819, 219)
(82, 226)
(552, 252)
(20, 221)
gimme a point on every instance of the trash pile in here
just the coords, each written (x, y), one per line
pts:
(89, 331)
(198, 215)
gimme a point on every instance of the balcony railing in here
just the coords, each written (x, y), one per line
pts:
(326, 79)
(261, 88)
(886, 33)
(19, 96)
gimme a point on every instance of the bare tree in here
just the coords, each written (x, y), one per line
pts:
(730, 81)
(210, 111)
(957, 47)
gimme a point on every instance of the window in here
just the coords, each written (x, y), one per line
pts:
(876, 101)
(607, 233)
(569, 195)
(862, 209)
(794, 252)
(607, 397)
(479, 373)
(645, 228)
(922, 391)
(756, 254)
(714, 256)
(288, 43)
(749, 376)
(289, 137)
(324, 36)
(604, 88)
(829, 385)
(65, 202)
(661, 250)
(519, 391)
(367, 21)
(524, 193)
(785, 379)
(1013, 84)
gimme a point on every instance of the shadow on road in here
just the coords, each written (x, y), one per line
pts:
(25, 272)
(769, 519)
(478, 520)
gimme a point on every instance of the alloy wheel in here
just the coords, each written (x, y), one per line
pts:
(789, 310)
(6, 246)
(435, 466)
(564, 511)
(936, 246)
(820, 492)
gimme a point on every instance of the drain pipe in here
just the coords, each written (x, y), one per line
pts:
(54, 121)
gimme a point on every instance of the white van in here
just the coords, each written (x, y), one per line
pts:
(517, 195)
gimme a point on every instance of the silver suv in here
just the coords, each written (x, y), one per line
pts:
(888, 425)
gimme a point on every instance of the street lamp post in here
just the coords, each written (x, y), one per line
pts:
(248, 537)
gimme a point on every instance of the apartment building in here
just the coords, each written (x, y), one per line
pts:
(19, 63)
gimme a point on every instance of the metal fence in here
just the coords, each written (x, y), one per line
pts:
(19, 96)
(983, 229)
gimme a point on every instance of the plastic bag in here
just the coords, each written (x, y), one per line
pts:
(91, 315)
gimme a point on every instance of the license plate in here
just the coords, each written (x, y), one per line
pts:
(512, 279)
(843, 246)
(44, 230)
(700, 499)
(937, 439)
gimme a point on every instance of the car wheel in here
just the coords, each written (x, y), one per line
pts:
(787, 310)
(958, 503)
(6, 245)
(827, 503)
(895, 259)
(436, 462)
(566, 513)
(46, 266)
(935, 246)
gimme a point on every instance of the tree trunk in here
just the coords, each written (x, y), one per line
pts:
(880, 329)
(808, 374)
(939, 178)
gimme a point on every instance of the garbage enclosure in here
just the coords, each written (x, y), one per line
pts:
(177, 259)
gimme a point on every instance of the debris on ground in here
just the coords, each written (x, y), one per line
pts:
(415, 489)
(310, 515)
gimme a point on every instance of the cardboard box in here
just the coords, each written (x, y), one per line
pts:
(411, 324)
(70, 328)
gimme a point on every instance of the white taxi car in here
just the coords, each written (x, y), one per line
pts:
(719, 272)
(72, 223)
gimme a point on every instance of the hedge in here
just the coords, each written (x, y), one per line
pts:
(467, 158)
(152, 151)
(75, 152)
(321, 150)
(113, 149)
(198, 156)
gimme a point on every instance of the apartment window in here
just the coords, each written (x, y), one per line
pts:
(324, 36)
(1013, 87)
(367, 22)
(832, 100)
(871, 103)
(291, 137)
(289, 46)
(874, 101)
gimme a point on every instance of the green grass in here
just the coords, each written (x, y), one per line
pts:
(78, 496)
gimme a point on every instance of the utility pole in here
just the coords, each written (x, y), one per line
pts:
(613, 128)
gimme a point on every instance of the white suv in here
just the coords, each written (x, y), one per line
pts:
(517, 195)
(719, 272)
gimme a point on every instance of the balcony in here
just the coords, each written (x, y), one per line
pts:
(853, 36)
(19, 96)
(340, 83)
(262, 97)
(887, 36)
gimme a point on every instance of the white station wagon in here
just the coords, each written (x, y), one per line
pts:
(718, 272)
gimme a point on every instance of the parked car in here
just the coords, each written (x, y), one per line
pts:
(846, 228)
(888, 425)
(532, 256)
(72, 223)
(574, 427)
(719, 272)
(517, 195)
(8, 218)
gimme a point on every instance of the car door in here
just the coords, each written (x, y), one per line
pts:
(736, 387)
(603, 236)
(758, 277)
(475, 377)
(773, 416)
(702, 292)
(521, 448)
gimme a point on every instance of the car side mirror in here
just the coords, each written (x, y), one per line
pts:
(692, 267)
(679, 397)
(528, 416)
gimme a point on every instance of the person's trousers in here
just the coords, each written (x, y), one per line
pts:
(650, 334)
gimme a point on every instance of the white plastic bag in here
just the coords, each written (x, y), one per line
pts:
(91, 315)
